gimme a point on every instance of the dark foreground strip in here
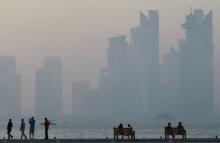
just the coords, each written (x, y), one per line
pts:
(201, 140)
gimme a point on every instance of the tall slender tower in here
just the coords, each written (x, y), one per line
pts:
(196, 65)
(145, 55)
(10, 88)
(117, 63)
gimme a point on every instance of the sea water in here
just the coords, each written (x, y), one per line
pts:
(93, 130)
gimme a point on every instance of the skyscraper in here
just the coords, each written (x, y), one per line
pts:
(85, 101)
(145, 55)
(80, 92)
(10, 87)
(196, 65)
(49, 89)
(170, 82)
(117, 63)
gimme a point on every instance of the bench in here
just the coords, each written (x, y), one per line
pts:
(174, 131)
(129, 132)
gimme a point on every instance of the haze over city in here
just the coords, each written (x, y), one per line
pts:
(78, 31)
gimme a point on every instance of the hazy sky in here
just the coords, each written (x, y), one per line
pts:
(78, 30)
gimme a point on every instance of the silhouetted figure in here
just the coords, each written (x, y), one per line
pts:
(46, 125)
(120, 126)
(22, 129)
(180, 126)
(181, 129)
(133, 132)
(169, 129)
(9, 128)
(120, 130)
(32, 127)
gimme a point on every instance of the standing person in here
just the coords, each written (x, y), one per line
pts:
(46, 125)
(22, 129)
(32, 127)
(9, 128)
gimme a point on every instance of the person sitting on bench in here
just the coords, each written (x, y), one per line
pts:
(120, 126)
(169, 129)
(181, 130)
(133, 132)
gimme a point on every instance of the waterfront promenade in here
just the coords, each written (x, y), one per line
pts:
(194, 140)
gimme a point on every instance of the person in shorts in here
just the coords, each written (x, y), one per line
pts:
(32, 127)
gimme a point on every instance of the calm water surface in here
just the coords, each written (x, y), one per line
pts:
(103, 130)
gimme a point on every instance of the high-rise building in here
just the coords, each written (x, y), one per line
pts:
(10, 88)
(145, 55)
(105, 91)
(85, 101)
(117, 72)
(80, 92)
(196, 65)
(169, 80)
(49, 89)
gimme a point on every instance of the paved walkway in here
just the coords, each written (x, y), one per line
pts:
(111, 141)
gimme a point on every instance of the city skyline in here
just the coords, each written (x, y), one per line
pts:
(134, 76)
(27, 68)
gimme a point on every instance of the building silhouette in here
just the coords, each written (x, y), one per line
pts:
(132, 76)
(196, 65)
(117, 63)
(80, 93)
(105, 92)
(145, 56)
(135, 86)
(87, 104)
(49, 89)
(10, 87)
(170, 83)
